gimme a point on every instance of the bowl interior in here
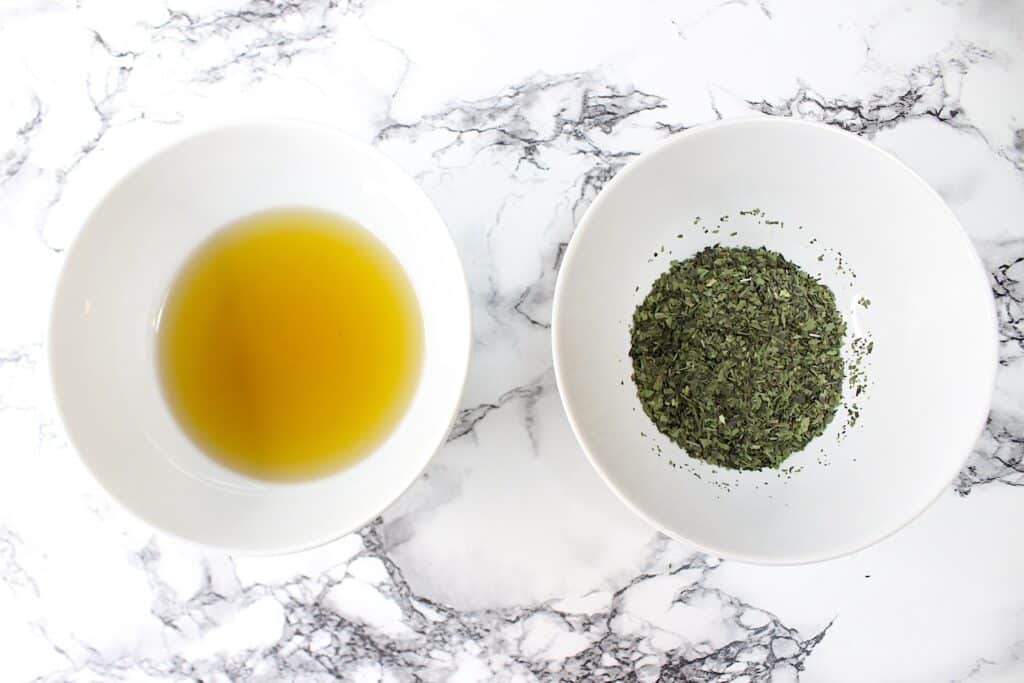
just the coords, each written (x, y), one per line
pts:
(117, 273)
(931, 319)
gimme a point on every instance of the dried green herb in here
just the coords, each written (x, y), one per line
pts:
(736, 356)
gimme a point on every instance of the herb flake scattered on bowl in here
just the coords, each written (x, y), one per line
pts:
(736, 356)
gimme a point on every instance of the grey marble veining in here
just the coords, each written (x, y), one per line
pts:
(363, 618)
(508, 560)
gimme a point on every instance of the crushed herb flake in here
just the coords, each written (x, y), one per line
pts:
(736, 356)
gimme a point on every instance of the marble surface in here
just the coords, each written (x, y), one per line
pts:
(509, 560)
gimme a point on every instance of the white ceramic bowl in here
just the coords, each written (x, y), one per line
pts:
(115, 278)
(932, 320)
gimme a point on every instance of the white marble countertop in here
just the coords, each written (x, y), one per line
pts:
(509, 560)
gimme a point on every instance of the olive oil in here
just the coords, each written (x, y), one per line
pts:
(290, 344)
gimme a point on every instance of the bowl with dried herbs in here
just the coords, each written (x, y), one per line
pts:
(773, 340)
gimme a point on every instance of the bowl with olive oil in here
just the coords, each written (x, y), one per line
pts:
(260, 336)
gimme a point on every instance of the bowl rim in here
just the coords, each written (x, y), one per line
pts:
(839, 549)
(110, 183)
